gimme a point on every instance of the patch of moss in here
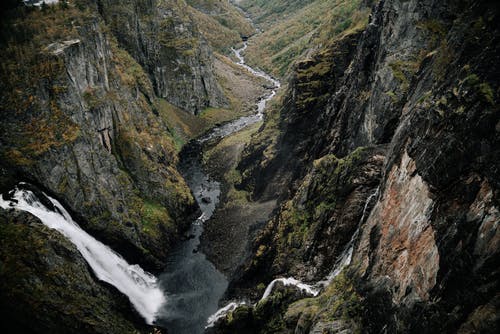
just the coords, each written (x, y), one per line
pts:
(153, 214)
(213, 116)
(223, 151)
(339, 301)
(487, 93)
(403, 71)
(316, 198)
(436, 29)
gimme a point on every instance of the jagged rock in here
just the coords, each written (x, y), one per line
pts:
(59, 47)
(163, 38)
(91, 136)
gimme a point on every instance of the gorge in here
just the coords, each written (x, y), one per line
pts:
(249, 166)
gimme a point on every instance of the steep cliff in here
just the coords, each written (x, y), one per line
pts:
(80, 119)
(163, 37)
(416, 92)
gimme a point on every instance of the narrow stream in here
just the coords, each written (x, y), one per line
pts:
(192, 285)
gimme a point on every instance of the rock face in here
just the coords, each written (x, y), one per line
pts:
(421, 82)
(82, 119)
(46, 286)
(162, 37)
(87, 127)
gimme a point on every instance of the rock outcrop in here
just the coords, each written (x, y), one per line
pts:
(86, 129)
(164, 39)
(421, 81)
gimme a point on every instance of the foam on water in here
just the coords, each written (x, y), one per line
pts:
(139, 286)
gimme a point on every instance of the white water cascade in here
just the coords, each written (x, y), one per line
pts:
(287, 282)
(343, 261)
(139, 286)
(346, 257)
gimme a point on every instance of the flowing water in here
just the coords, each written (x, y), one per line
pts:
(189, 290)
(242, 122)
(192, 284)
(345, 257)
(139, 286)
(343, 260)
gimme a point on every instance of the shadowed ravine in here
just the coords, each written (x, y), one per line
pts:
(191, 283)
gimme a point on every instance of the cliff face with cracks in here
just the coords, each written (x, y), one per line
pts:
(420, 83)
(82, 119)
(83, 122)
(163, 37)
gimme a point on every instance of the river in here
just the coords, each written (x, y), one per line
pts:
(192, 285)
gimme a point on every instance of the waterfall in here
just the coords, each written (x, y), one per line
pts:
(345, 257)
(139, 286)
(222, 312)
(287, 282)
(343, 261)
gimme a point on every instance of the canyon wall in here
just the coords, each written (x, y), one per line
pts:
(87, 90)
(406, 108)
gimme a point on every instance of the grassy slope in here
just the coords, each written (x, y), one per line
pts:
(265, 12)
(220, 23)
(297, 29)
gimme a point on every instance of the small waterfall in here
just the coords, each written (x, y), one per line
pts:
(287, 282)
(222, 312)
(342, 261)
(139, 286)
(346, 257)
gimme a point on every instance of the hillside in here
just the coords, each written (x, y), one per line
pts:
(222, 24)
(298, 29)
(383, 156)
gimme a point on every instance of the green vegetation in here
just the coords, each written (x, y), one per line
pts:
(154, 215)
(316, 199)
(224, 157)
(339, 301)
(435, 28)
(404, 71)
(220, 23)
(266, 12)
(284, 312)
(25, 64)
(302, 26)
